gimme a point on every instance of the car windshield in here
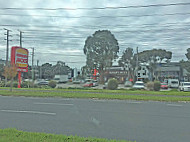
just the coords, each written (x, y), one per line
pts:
(174, 82)
(140, 84)
(186, 84)
(164, 84)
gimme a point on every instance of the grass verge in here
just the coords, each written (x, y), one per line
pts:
(13, 135)
(99, 94)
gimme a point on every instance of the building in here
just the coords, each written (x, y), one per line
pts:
(143, 72)
(172, 70)
(2, 61)
(117, 72)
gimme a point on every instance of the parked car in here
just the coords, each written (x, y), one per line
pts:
(173, 83)
(184, 86)
(139, 85)
(105, 86)
(88, 84)
(128, 84)
(43, 82)
(95, 83)
(164, 85)
(76, 82)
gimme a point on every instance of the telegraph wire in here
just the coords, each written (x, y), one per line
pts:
(120, 16)
(88, 26)
(100, 8)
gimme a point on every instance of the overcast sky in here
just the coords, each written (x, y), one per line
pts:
(59, 29)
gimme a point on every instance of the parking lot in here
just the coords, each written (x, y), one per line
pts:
(71, 85)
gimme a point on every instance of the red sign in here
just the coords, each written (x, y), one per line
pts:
(19, 57)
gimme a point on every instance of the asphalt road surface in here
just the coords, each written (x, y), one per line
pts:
(113, 119)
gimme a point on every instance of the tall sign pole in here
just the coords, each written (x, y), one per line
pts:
(19, 72)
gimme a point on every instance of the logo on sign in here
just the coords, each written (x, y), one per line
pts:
(19, 57)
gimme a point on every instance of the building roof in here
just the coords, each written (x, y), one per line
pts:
(171, 68)
(115, 68)
(2, 61)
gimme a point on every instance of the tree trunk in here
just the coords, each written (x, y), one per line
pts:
(102, 77)
(11, 85)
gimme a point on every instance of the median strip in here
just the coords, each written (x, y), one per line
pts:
(139, 95)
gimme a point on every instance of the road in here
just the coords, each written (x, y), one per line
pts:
(142, 121)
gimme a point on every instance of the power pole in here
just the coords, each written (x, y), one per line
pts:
(7, 51)
(21, 38)
(137, 63)
(33, 64)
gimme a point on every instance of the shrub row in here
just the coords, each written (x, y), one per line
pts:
(28, 84)
(153, 86)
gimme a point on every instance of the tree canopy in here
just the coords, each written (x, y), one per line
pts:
(153, 58)
(188, 54)
(100, 49)
(127, 60)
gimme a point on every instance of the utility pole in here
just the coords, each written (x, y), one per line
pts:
(21, 38)
(33, 64)
(137, 63)
(7, 51)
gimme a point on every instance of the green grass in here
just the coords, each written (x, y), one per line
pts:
(173, 92)
(13, 135)
(101, 94)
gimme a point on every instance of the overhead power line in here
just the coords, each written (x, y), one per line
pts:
(99, 8)
(87, 26)
(103, 16)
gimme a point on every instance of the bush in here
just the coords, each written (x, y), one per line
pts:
(52, 84)
(133, 89)
(157, 85)
(150, 86)
(8, 84)
(2, 84)
(146, 80)
(15, 84)
(112, 84)
(36, 86)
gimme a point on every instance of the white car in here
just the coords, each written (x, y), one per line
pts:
(184, 86)
(139, 85)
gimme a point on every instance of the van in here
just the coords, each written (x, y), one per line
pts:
(173, 83)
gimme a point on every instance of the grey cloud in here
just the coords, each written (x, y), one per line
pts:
(135, 31)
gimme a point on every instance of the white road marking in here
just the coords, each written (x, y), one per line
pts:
(32, 112)
(99, 100)
(54, 104)
(134, 102)
(175, 105)
(95, 121)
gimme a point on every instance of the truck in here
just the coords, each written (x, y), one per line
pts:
(173, 83)
(61, 78)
